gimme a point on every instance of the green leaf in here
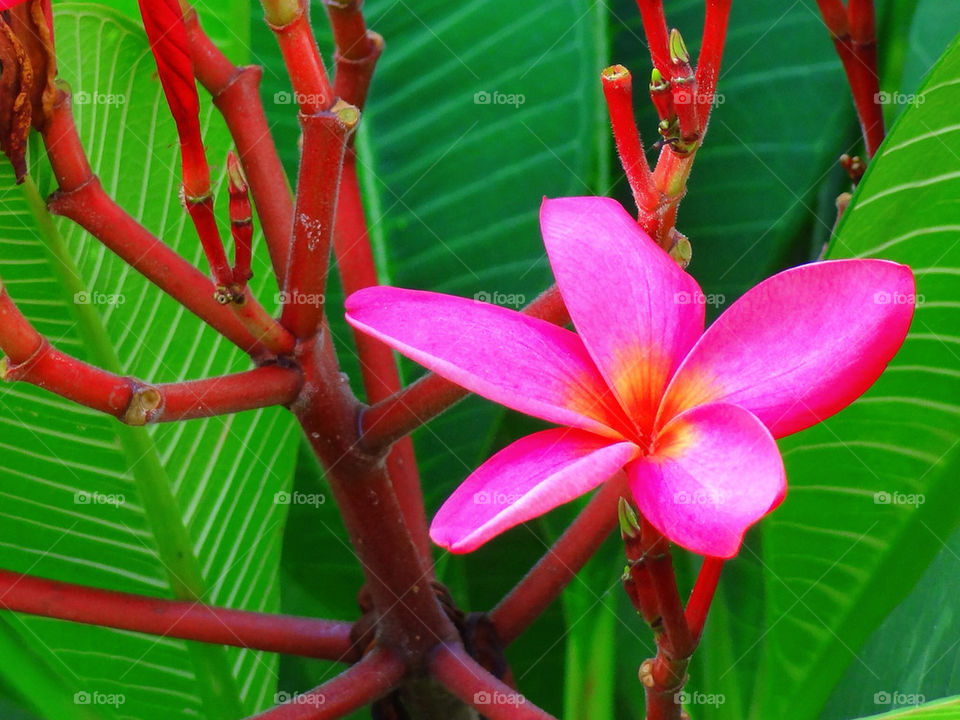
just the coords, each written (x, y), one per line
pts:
(185, 508)
(872, 489)
(898, 667)
(226, 22)
(941, 710)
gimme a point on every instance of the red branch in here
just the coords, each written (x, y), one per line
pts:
(854, 36)
(323, 639)
(31, 359)
(236, 94)
(655, 28)
(358, 50)
(405, 411)
(349, 28)
(205, 222)
(618, 91)
(325, 137)
(702, 595)
(398, 581)
(241, 221)
(167, 34)
(359, 685)
(474, 685)
(304, 64)
(711, 53)
(659, 564)
(547, 579)
(652, 587)
(378, 367)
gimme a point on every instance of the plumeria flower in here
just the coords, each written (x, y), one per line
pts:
(691, 415)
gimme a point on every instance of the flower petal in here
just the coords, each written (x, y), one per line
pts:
(524, 480)
(518, 361)
(715, 472)
(637, 312)
(800, 346)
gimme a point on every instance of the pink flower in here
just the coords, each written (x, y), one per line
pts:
(690, 415)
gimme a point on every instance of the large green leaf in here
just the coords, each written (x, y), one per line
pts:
(873, 489)
(941, 710)
(190, 505)
(899, 667)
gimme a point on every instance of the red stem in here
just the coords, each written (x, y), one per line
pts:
(205, 222)
(659, 563)
(31, 359)
(711, 55)
(683, 85)
(618, 91)
(359, 685)
(854, 37)
(866, 90)
(236, 94)
(702, 595)
(352, 81)
(307, 637)
(303, 61)
(408, 613)
(474, 685)
(241, 221)
(835, 17)
(325, 137)
(405, 411)
(547, 579)
(655, 28)
(378, 367)
(349, 28)
(19, 340)
(358, 50)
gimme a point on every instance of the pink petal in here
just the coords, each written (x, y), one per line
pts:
(524, 480)
(637, 312)
(518, 361)
(716, 471)
(801, 345)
